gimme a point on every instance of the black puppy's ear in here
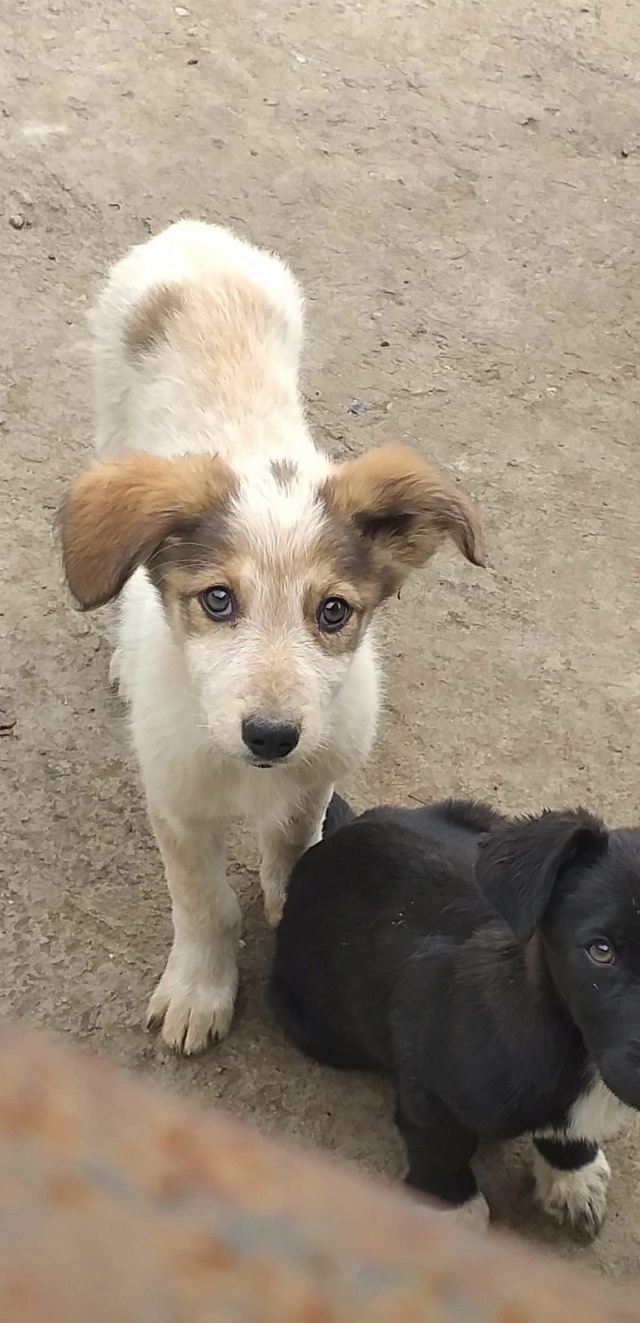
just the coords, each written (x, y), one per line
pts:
(518, 865)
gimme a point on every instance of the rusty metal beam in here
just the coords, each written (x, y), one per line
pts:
(120, 1205)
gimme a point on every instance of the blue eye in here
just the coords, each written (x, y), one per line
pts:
(601, 952)
(218, 603)
(333, 614)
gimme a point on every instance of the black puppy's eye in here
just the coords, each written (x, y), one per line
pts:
(601, 952)
(333, 613)
(218, 602)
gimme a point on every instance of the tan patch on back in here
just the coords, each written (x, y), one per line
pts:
(148, 325)
(224, 337)
(118, 514)
(224, 334)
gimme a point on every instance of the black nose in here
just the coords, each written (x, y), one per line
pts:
(268, 739)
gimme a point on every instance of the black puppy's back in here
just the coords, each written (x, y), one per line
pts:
(447, 820)
(359, 904)
(453, 822)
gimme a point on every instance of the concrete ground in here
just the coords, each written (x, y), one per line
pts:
(457, 184)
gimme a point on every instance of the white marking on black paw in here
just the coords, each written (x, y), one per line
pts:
(574, 1198)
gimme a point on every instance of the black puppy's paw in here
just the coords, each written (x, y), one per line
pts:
(575, 1199)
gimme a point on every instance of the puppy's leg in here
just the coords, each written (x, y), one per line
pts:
(282, 843)
(571, 1180)
(195, 996)
(440, 1150)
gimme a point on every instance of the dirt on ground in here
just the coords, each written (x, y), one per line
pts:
(457, 185)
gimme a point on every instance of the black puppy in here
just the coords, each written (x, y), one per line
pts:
(493, 966)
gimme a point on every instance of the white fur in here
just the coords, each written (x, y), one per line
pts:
(597, 1115)
(577, 1198)
(188, 695)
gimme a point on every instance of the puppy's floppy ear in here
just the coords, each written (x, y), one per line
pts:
(519, 865)
(118, 514)
(404, 508)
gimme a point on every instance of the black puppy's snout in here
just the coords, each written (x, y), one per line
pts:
(268, 739)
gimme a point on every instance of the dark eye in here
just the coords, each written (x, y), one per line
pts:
(601, 952)
(333, 613)
(218, 602)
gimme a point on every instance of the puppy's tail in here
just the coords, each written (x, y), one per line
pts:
(337, 815)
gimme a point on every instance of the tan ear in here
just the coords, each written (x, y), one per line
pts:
(118, 514)
(405, 508)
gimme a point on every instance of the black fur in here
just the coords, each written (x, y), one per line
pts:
(568, 1156)
(450, 945)
(337, 815)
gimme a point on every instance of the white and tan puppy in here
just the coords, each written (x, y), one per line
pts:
(250, 567)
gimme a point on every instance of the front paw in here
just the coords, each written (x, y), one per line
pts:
(578, 1198)
(194, 1011)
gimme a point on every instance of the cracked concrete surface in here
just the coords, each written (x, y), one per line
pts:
(457, 187)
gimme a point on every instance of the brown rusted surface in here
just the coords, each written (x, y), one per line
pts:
(119, 1205)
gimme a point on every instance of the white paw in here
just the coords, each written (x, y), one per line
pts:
(193, 1011)
(574, 1198)
(473, 1216)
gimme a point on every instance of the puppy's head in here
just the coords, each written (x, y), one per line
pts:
(269, 576)
(565, 876)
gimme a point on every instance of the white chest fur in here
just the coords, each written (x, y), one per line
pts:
(597, 1114)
